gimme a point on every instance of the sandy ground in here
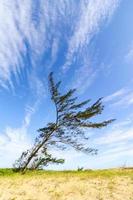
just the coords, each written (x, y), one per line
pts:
(66, 188)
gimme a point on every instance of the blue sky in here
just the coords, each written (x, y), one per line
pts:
(88, 44)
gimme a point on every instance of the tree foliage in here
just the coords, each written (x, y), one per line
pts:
(69, 129)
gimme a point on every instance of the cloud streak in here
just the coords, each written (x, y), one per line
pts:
(84, 77)
(28, 32)
(93, 14)
(129, 55)
(35, 28)
(12, 143)
(122, 97)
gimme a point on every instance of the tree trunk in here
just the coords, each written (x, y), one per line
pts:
(35, 150)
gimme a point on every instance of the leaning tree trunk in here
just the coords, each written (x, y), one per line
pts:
(35, 150)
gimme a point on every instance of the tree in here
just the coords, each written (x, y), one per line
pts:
(72, 119)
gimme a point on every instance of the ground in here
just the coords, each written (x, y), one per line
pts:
(116, 184)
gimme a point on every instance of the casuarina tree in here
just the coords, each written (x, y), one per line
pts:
(68, 130)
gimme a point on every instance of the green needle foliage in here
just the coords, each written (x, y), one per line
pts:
(69, 129)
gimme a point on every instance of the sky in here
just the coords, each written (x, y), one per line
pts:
(88, 44)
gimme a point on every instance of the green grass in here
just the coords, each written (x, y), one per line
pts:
(85, 174)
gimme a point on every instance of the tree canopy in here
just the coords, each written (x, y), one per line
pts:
(69, 128)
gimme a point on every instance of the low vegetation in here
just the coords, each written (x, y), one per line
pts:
(114, 184)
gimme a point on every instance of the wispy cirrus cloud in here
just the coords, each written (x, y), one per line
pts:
(115, 146)
(115, 95)
(117, 139)
(29, 29)
(38, 92)
(122, 97)
(116, 136)
(13, 141)
(92, 15)
(84, 77)
(16, 28)
(129, 55)
(22, 33)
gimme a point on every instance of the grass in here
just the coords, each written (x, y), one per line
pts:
(85, 173)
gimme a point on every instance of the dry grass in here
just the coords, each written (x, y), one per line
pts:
(88, 185)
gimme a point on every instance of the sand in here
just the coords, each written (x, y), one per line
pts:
(66, 188)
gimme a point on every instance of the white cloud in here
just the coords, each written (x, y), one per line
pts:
(27, 26)
(115, 136)
(84, 77)
(115, 149)
(12, 143)
(12, 41)
(115, 146)
(54, 51)
(18, 30)
(126, 100)
(92, 14)
(30, 110)
(115, 95)
(122, 97)
(129, 55)
(119, 133)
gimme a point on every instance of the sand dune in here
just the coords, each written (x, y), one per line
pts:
(66, 187)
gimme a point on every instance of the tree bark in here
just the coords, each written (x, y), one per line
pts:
(35, 150)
